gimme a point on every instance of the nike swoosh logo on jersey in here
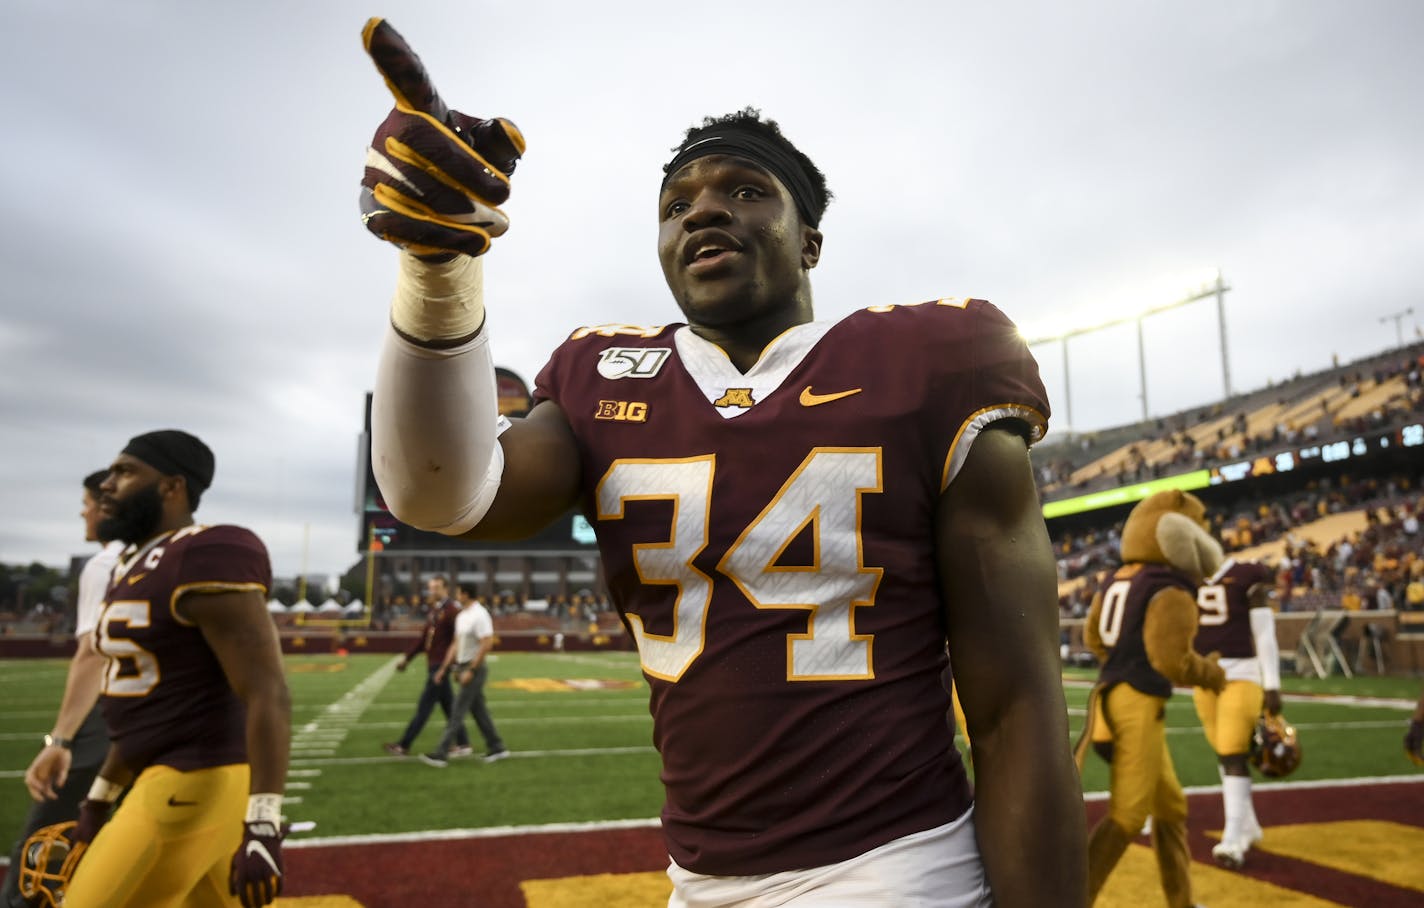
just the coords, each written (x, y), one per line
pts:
(174, 802)
(811, 399)
(136, 578)
(257, 848)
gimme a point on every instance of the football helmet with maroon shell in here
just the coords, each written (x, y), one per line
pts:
(1275, 747)
(47, 862)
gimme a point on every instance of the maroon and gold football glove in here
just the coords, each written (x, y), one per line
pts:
(93, 814)
(435, 177)
(255, 876)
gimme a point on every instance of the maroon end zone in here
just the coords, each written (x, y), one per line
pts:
(487, 871)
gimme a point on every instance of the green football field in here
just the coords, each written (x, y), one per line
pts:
(580, 733)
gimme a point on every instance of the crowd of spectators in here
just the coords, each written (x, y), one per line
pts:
(1214, 435)
(559, 611)
(1379, 567)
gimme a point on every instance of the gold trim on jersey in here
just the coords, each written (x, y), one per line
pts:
(614, 329)
(954, 459)
(208, 586)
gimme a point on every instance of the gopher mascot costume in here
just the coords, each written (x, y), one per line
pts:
(1141, 626)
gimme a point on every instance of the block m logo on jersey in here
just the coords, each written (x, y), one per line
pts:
(632, 362)
(735, 397)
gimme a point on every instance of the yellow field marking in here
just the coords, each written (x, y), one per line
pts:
(306, 668)
(565, 685)
(1388, 852)
(1134, 884)
(606, 890)
(318, 901)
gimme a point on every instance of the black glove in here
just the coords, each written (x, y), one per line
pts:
(256, 873)
(92, 816)
(434, 176)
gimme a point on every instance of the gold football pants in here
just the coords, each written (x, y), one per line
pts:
(1229, 718)
(169, 844)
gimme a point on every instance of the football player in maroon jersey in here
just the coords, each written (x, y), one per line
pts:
(794, 518)
(1235, 619)
(194, 697)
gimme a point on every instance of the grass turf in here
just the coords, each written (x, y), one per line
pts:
(581, 738)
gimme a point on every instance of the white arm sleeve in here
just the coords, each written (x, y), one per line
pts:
(435, 426)
(1268, 653)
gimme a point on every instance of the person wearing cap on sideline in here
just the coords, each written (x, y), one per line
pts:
(194, 697)
(60, 774)
(795, 518)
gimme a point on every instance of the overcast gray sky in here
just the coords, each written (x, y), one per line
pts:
(182, 246)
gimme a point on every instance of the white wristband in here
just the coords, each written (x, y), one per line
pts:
(264, 808)
(104, 790)
(439, 301)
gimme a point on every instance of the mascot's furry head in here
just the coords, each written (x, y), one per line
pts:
(1170, 528)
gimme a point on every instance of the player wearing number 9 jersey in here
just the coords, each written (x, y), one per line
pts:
(1236, 620)
(194, 698)
(795, 519)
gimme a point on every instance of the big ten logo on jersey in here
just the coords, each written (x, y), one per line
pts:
(622, 410)
(632, 362)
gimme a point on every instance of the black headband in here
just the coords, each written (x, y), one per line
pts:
(743, 143)
(175, 453)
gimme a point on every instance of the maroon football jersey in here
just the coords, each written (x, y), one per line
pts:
(166, 699)
(1121, 617)
(768, 539)
(1224, 609)
(438, 634)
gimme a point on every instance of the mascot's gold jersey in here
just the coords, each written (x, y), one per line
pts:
(166, 699)
(768, 539)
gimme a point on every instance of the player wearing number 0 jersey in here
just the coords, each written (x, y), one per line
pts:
(795, 519)
(1236, 620)
(1141, 625)
(764, 537)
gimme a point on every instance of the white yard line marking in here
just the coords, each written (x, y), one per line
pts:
(520, 754)
(476, 833)
(526, 720)
(440, 835)
(1293, 786)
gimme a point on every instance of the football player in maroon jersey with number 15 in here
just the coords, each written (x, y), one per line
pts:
(194, 698)
(795, 519)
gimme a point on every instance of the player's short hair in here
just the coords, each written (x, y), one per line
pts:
(748, 134)
(443, 578)
(468, 588)
(94, 480)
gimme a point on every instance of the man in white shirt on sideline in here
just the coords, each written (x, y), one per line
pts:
(60, 774)
(474, 637)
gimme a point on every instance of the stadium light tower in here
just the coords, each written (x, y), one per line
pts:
(1398, 319)
(1216, 288)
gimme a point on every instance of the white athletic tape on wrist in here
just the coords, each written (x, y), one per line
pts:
(441, 300)
(264, 808)
(104, 790)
